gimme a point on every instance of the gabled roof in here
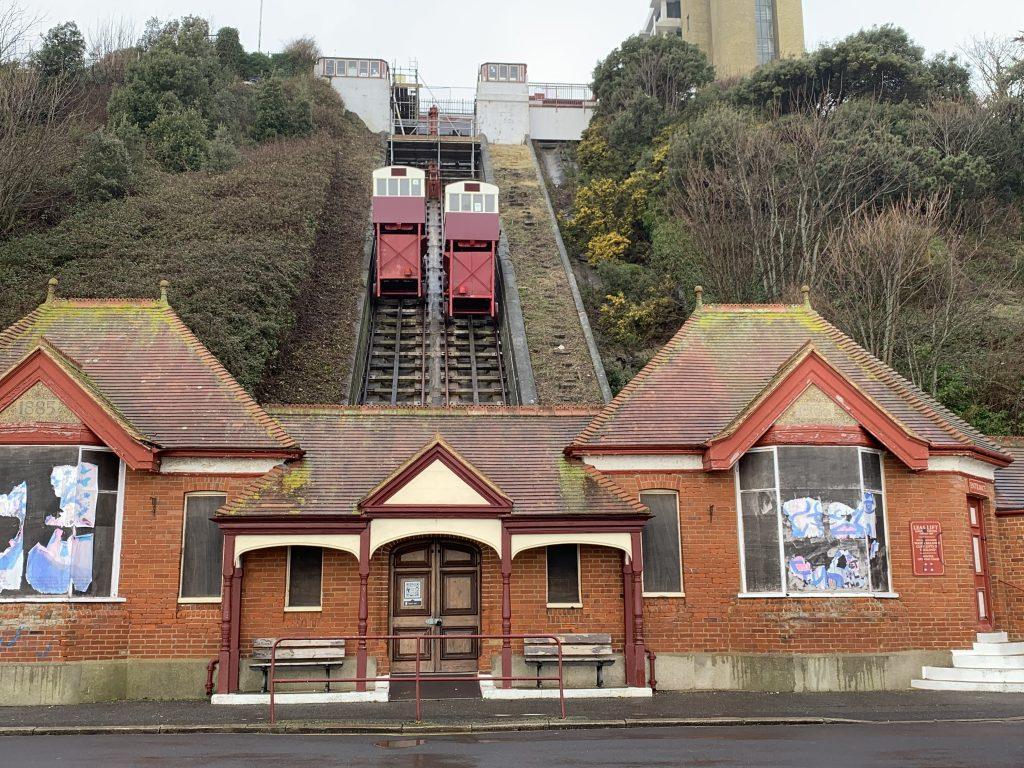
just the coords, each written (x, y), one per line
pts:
(1010, 480)
(352, 451)
(149, 372)
(476, 491)
(726, 357)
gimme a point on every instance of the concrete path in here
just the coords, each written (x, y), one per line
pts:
(993, 745)
(664, 709)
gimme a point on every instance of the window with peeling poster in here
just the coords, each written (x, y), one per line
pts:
(830, 520)
(58, 521)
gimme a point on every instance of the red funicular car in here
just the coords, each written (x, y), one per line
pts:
(471, 232)
(399, 221)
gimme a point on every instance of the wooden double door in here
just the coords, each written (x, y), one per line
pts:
(435, 593)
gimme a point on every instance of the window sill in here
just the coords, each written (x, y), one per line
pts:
(565, 605)
(664, 594)
(62, 599)
(198, 600)
(818, 595)
(303, 609)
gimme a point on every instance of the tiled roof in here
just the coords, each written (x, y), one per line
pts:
(349, 451)
(149, 370)
(1010, 480)
(725, 355)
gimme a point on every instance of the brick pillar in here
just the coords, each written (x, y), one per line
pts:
(627, 616)
(224, 656)
(639, 678)
(506, 607)
(364, 604)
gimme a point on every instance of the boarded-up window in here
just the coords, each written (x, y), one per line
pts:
(58, 521)
(662, 560)
(305, 571)
(563, 574)
(202, 549)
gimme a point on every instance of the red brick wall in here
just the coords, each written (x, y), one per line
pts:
(1008, 545)
(150, 623)
(931, 612)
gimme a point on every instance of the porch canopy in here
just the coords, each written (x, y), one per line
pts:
(373, 476)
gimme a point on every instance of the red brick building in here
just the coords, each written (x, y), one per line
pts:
(764, 506)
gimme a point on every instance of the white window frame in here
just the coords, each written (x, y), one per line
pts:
(579, 579)
(181, 558)
(888, 594)
(115, 565)
(679, 536)
(288, 586)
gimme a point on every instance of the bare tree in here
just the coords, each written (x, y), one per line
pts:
(15, 25)
(895, 277)
(998, 64)
(112, 48)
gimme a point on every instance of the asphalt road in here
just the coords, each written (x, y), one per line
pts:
(921, 745)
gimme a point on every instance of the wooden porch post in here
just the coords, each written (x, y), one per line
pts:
(627, 617)
(364, 604)
(506, 606)
(236, 627)
(224, 656)
(639, 656)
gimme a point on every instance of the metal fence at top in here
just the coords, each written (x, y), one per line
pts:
(565, 93)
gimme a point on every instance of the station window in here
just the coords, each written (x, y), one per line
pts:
(374, 69)
(329, 67)
(353, 68)
(812, 520)
(663, 570)
(305, 578)
(492, 71)
(673, 9)
(563, 569)
(503, 72)
(202, 544)
(364, 69)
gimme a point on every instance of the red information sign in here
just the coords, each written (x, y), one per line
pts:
(926, 544)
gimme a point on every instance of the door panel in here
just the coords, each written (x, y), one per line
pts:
(435, 591)
(979, 556)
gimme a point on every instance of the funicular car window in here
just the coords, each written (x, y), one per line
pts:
(393, 187)
(382, 187)
(467, 202)
(490, 203)
(403, 187)
(416, 187)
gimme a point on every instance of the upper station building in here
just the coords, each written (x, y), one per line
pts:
(736, 35)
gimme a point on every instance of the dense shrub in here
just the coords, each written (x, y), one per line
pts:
(104, 170)
(281, 112)
(177, 140)
(222, 154)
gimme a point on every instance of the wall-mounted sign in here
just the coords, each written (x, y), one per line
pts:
(926, 545)
(978, 487)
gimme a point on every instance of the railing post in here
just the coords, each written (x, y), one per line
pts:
(419, 710)
(506, 607)
(364, 606)
(273, 679)
(561, 679)
(224, 656)
(627, 619)
(638, 609)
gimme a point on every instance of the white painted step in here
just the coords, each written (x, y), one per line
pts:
(953, 685)
(999, 649)
(974, 675)
(993, 637)
(972, 660)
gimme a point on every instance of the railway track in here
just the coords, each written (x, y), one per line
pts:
(396, 366)
(473, 369)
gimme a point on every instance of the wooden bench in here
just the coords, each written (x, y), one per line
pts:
(593, 649)
(297, 653)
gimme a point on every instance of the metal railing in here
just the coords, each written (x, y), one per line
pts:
(579, 94)
(418, 676)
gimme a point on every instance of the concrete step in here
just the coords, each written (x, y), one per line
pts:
(952, 685)
(972, 660)
(973, 675)
(999, 649)
(993, 637)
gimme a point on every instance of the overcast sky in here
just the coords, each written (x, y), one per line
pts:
(559, 39)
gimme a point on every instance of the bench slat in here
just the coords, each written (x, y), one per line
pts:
(573, 639)
(300, 653)
(268, 642)
(568, 650)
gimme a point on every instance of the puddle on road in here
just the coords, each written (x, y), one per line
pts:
(399, 743)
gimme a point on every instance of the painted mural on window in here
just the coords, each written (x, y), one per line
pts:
(58, 509)
(813, 520)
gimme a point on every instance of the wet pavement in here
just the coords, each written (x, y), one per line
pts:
(875, 707)
(935, 745)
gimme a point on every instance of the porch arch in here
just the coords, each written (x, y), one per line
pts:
(483, 531)
(345, 542)
(616, 540)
